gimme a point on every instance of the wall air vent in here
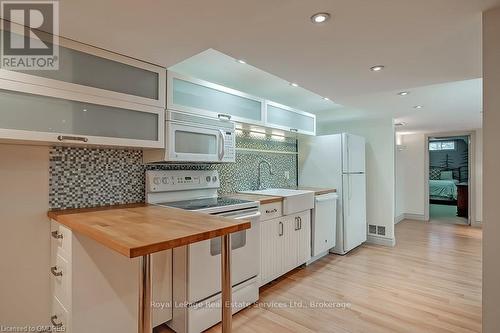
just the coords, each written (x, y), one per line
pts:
(380, 230)
(372, 229)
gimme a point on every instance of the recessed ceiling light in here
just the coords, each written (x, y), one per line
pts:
(326, 98)
(320, 18)
(241, 61)
(377, 68)
(418, 106)
(403, 93)
(293, 84)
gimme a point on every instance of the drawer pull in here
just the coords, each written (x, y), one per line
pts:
(222, 115)
(54, 271)
(294, 130)
(72, 138)
(269, 211)
(53, 321)
(56, 235)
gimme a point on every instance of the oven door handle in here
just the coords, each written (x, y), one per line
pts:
(222, 145)
(251, 216)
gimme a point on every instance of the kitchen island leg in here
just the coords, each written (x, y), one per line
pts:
(145, 295)
(226, 284)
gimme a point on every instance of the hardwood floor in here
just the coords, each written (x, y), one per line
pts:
(429, 282)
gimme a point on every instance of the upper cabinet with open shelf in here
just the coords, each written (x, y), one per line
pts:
(208, 99)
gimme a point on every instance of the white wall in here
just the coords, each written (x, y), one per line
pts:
(479, 175)
(411, 159)
(380, 147)
(491, 167)
(399, 182)
(24, 236)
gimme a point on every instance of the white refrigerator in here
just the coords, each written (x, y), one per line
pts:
(338, 161)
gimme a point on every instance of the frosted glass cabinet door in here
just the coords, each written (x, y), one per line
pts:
(204, 98)
(52, 119)
(94, 71)
(283, 117)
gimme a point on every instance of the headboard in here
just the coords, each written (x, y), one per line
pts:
(435, 172)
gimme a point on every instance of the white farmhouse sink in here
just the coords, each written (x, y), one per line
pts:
(294, 201)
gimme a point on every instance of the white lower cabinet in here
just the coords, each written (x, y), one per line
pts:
(96, 290)
(285, 244)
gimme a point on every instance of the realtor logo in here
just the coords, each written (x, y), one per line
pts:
(30, 31)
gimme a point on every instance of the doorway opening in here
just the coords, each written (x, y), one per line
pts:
(449, 179)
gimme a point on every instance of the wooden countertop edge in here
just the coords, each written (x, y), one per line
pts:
(63, 216)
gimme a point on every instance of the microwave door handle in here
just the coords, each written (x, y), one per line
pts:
(222, 151)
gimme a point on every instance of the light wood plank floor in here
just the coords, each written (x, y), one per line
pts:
(429, 282)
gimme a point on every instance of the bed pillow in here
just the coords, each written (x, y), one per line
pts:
(435, 174)
(447, 175)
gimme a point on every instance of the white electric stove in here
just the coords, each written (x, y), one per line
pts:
(196, 268)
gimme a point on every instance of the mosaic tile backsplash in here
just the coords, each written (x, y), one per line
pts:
(92, 177)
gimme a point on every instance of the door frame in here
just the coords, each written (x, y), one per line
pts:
(472, 171)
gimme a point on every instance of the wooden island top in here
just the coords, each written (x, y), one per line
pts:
(140, 229)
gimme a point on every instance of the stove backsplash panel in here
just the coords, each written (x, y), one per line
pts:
(92, 177)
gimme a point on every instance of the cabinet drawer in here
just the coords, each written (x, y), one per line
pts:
(270, 211)
(59, 317)
(60, 279)
(60, 240)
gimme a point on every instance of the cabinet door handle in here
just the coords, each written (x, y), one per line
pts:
(271, 211)
(223, 115)
(280, 229)
(294, 130)
(57, 235)
(72, 138)
(300, 222)
(53, 321)
(54, 271)
(296, 223)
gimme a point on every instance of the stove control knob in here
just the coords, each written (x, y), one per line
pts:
(157, 180)
(164, 180)
(214, 178)
(208, 179)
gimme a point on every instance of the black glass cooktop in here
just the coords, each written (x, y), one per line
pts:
(199, 204)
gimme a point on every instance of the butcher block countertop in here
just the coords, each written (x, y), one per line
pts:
(141, 229)
(317, 190)
(263, 199)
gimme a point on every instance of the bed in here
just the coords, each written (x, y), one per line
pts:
(443, 189)
(443, 185)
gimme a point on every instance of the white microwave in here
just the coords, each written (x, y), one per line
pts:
(190, 138)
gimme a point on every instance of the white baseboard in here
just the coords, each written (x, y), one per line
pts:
(399, 218)
(419, 217)
(477, 224)
(372, 239)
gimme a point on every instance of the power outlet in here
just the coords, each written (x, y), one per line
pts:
(287, 175)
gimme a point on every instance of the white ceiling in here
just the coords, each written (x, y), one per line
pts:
(421, 43)
(216, 67)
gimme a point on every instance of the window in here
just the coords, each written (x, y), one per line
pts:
(442, 145)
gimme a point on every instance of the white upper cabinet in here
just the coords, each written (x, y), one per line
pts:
(39, 114)
(96, 72)
(208, 99)
(213, 100)
(288, 119)
(96, 97)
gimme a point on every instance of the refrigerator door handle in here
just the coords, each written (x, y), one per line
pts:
(350, 192)
(348, 157)
(348, 203)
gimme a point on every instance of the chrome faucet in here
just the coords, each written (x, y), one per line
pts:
(260, 172)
